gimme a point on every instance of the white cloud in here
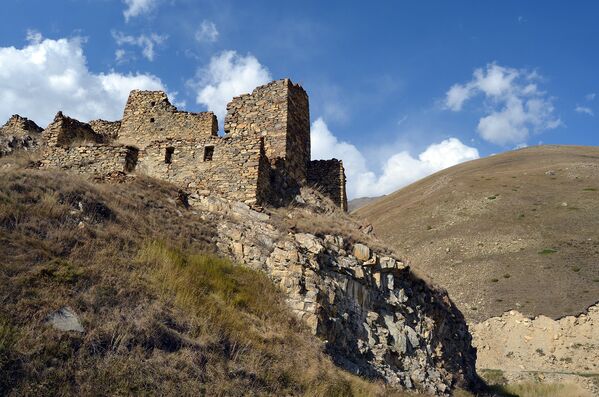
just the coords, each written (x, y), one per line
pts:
(399, 170)
(49, 75)
(591, 96)
(145, 42)
(585, 110)
(207, 33)
(227, 75)
(138, 7)
(516, 106)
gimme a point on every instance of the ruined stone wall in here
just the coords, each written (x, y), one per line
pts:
(328, 176)
(149, 116)
(19, 133)
(96, 160)
(279, 112)
(65, 131)
(108, 129)
(229, 167)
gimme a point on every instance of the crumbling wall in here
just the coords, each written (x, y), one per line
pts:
(65, 131)
(279, 112)
(18, 133)
(211, 165)
(328, 176)
(108, 129)
(149, 116)
(96, 160)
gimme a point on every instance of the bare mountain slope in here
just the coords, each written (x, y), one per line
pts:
(515, 230)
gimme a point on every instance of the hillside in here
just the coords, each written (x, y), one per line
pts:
(516, 230)
(115, 289)
(360, 202)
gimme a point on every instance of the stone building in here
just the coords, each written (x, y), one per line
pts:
(263, 157)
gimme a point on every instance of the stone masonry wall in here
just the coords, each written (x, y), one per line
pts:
(328, 176)
(232, 168)
(277, 111)
(97, 160)
(65, 131)
(108, 129)
(264, 159)
(297, 154)
(18, 133)
(149, 116)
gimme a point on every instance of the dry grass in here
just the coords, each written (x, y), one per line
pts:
(300, 218)
(531, 389)
(160, 318)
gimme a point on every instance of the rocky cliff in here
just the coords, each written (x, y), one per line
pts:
(376, 318)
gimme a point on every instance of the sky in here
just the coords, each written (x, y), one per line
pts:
(398, 90)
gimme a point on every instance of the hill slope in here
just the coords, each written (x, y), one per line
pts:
(517, 230)
(111, 290)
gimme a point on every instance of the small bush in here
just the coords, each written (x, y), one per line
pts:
(547, 251)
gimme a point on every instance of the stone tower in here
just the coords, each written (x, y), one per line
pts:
(279, 112)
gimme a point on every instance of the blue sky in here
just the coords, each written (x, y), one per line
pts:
(398, 89)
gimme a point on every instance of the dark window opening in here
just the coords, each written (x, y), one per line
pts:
(168, 155)
(131, 158)
(208, 153)
(152, 103)
(151, 119)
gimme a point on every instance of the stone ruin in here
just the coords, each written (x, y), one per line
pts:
(263, 158)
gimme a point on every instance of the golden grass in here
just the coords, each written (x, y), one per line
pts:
(241, 309)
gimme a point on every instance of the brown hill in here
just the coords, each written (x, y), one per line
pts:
(515, 230)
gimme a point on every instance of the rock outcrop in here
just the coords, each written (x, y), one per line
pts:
(19, 133)
(563, 350)
(376, 318)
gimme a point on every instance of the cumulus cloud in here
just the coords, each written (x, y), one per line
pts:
(49, 75)
(399, 170)
(228, 74)
(584, 110)
(590, 96)
(147, 43)
(138, 7)
(515, 105)
(207, 32)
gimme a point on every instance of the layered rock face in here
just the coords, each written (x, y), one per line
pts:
(19, 133)
(375, 317)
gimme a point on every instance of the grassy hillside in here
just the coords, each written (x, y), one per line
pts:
(517, 230)
(162, 315)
